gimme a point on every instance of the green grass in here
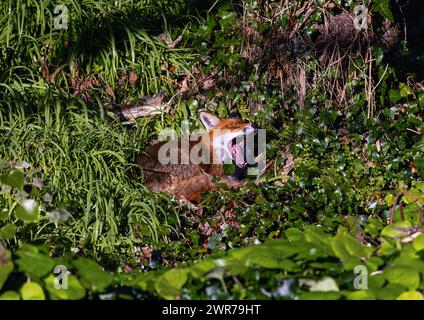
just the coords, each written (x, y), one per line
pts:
(104, 39)
(68, 134)
(84, 159)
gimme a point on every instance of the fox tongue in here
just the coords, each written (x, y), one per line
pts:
(237, 155)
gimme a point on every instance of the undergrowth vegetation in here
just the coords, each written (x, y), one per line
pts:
(342, 195)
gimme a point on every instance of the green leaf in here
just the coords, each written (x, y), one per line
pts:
(294, 234)
(382, 7)
(419, 242)
(374, 263)
(318, 237)
(373, 226)
(405, 90)
(389, 292)
(409, 258)
(200, 268)
(10, 295)
(421, 99)
(395, 231)
(356, 249)
(74, 291)
(92, 276)
(411, 213)
(349, 250)
(34, 263)
(411, 295)
(404, 276)
(320, 295)
(420, 185)
(277, 249)
(15, 179)
(4, 214)
(8, 231)
(360, 295)
(379, 55)
(28, 211)
(32, 291)
(148, 281)
(394, 96)
(390, 198)
(169, 284)
(266, 258)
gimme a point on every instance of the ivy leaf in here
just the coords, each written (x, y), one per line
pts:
(202, 267)
(349, 250)
(394, 96)
(32, 291)
(34, 263)
(146, 281)
(4, 214)
(373, 263)
(74, 291)
(403, 276)
(405, 90)
(294, 234)
(390, 199)
(395, 230)
(28, 211)
(10, 295)
(360, 295)
(419, 242)
(387, 249)
(331, 295)
(318, 237)
(421, 99)
(390, 291)
(15, 179)
(382, 7)
(92, 276)
(8, 231)
(171, 282)
(411, 295)
(420, 185)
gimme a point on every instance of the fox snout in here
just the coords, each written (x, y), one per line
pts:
(228, 137)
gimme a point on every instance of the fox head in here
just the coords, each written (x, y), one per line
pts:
(226, 137)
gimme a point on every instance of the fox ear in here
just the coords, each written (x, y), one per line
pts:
(209, 120)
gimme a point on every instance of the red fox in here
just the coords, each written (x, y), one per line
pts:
(189, 180)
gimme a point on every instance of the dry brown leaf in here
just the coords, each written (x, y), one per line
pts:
(378, 145)
(208, 84)
(133, 78)
(109, 91)
(147, 253)
(288, 166)
(370, 164)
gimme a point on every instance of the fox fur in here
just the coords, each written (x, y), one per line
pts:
(190, 180)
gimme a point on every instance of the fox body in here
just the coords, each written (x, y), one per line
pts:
(189, 178)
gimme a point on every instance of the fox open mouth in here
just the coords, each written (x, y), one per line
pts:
(237, 153)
